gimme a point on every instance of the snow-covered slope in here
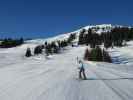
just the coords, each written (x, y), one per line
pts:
(96, 28)
(56, 78)
(103, 28)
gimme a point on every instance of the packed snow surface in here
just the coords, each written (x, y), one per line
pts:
(56, 77)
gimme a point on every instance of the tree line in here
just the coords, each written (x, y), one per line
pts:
(8, 43)
(97, 54)
(118, 36)
(50, 48)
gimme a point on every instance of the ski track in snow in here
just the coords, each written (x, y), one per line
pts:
(123, 93)
(37, 78)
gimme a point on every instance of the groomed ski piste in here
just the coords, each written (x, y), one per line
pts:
(56, 77)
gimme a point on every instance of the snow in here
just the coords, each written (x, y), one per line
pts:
(102, 28)
(107, 28)
(56, 77)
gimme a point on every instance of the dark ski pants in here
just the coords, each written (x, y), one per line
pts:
(82, 72)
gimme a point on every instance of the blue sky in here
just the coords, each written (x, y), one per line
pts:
(44, 18)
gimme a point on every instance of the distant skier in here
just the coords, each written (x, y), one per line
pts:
(81, 70)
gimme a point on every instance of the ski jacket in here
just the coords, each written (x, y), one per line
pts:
(81, 65)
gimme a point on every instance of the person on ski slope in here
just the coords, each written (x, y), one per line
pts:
(81, 70)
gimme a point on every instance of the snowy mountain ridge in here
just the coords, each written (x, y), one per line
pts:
(102, 28)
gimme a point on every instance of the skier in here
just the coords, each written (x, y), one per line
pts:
(81, 70)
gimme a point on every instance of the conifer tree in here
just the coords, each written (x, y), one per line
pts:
(87, 55)
(28, 52)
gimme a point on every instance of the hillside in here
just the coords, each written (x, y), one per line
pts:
(56, 77)
(97, 28)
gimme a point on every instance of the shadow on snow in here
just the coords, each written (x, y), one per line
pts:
(124, 78)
